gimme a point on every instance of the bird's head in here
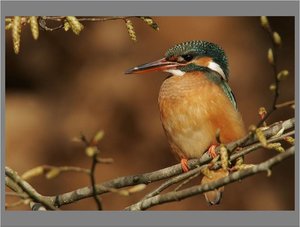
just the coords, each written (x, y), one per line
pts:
(187, 57)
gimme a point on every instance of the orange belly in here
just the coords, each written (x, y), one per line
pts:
(192, 109)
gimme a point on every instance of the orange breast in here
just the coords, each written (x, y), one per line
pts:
(192, 109)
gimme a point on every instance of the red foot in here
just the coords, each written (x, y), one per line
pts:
(212, 151)
(184, 165)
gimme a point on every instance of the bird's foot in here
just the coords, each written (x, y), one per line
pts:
(184, 165)
(212, 151)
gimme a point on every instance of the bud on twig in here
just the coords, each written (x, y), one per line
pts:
(91, 151)
(54, 172)
(262, 112)
(277, 38)
(127, 192)
(97, 137)
(36, 171)
(282, 74)
(272, 87)
(269, 172)
(136, 188)
(270, 56)
(264, 22)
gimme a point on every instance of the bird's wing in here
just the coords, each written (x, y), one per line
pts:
(229, 93)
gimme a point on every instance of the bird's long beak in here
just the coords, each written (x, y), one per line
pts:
(159, 65)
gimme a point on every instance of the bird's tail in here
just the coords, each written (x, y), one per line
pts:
(214, 197)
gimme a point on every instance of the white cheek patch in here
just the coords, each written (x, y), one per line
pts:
(216, 67)
(175, 72)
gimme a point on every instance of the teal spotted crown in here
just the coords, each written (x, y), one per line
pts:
(198, 48)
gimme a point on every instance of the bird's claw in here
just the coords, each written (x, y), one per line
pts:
(212, 151)
(184, 165)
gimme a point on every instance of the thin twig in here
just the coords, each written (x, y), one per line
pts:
(187, 181)
(90, 19)
(284, 104)
(18, 203)
(93, 181)
(97, 19)
(43, 20)
(276, 79)
(172, 181)
(16, 194)
(94, 143)
(105, 160)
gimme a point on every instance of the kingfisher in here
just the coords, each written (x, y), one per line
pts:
(196, 103)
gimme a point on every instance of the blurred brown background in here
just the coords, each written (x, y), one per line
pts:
(63, 84)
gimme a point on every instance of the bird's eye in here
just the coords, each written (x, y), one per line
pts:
(186, 57)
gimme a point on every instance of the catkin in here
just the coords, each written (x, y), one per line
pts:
(75, 25)
(130, 29)
(34, 27)
(16, 33)
(150, 22)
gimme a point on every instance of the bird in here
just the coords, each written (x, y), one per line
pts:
(196, 103)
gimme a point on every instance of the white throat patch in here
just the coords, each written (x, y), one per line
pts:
(175, 72)
(217, 68)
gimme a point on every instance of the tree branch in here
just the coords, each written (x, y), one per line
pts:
(179, 195)
(197, 171)
(168, 172)
(274, 133)
(28, 189)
